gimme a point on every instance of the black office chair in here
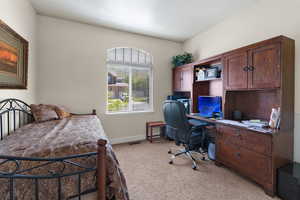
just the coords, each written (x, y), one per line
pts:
(191, 137)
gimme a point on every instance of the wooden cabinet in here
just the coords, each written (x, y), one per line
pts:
(187, 78)
(254, 68)
(259, 143)
(264, 67)
(183, 78)
(235, 71)
(251, 164)
(247, 152)
(177, 78)
(256, 78)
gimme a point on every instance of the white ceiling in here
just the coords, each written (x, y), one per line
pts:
(175, 20)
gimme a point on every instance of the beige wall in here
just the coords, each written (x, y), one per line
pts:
(266, 19)
(72, 71)
(21, 17)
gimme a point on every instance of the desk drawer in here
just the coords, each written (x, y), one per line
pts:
(230, 135)
(258, 142)
(253, 165)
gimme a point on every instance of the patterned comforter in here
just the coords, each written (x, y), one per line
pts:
(59, 138)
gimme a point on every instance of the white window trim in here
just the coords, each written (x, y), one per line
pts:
(115, 53)
(151, 93)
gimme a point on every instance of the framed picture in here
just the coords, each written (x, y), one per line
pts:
(13, 59)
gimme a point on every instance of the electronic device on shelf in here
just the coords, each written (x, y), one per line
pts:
(208, 72)
(212, 73)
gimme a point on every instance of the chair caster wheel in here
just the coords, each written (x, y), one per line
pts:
(171, 162)
(169, 152)
(194, 168)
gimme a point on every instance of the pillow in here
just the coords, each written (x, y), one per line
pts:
(42, 112)
(62, 112)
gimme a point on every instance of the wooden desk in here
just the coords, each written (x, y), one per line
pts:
(270, 68)
(252, 153)
(214, 121)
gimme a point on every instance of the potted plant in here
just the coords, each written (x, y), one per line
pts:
(182, 59)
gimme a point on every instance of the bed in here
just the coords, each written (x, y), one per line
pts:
(57, 159)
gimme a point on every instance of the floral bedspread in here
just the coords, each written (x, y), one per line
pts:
(59, 138)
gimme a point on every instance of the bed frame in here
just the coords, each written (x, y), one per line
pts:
(15, 113)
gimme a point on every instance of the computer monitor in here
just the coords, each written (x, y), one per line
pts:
(208, 105)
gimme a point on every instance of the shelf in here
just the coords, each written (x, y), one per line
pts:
(212, 79)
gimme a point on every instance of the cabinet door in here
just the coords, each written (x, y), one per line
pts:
(264, 67)
(177, 79)
(235, 71)
(183, 79)
(187, 79)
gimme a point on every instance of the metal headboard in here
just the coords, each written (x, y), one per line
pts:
(14, 113)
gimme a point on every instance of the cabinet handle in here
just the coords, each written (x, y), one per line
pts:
(251, 68)
(246, 68)
(238, 133)
(238, 154)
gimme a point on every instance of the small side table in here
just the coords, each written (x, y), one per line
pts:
(151, 125)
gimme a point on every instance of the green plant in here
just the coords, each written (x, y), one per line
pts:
(182, 59)
(140, 99)
(116, 105)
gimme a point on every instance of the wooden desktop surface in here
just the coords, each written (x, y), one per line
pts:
(198, 117)
(214, 121)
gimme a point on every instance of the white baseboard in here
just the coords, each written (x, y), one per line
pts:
(127, 139)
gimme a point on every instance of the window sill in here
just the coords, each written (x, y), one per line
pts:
(129, 113)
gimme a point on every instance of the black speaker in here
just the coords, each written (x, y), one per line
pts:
(288, 182)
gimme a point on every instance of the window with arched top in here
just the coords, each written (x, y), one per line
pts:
(129, 80)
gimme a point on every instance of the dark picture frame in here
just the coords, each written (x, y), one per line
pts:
(13, 59)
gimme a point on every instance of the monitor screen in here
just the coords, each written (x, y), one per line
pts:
(207, 105)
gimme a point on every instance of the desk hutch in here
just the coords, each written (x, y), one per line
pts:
(254, 79)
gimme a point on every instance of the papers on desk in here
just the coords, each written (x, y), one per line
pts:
(263, 130)
(252, 125)
(255, 123)
(232, 122)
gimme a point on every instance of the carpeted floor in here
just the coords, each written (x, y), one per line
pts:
(150, 177)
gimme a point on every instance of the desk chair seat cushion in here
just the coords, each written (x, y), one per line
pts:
(197, 138)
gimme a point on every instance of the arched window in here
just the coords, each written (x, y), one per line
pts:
(129, 80)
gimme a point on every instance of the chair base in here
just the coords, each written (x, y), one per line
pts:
(187, 153)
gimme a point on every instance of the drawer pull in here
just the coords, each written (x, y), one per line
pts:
(238, 155)
(238, 133)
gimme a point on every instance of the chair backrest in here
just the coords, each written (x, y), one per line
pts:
(176, 119)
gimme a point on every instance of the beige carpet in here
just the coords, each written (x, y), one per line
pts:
(150, 177)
